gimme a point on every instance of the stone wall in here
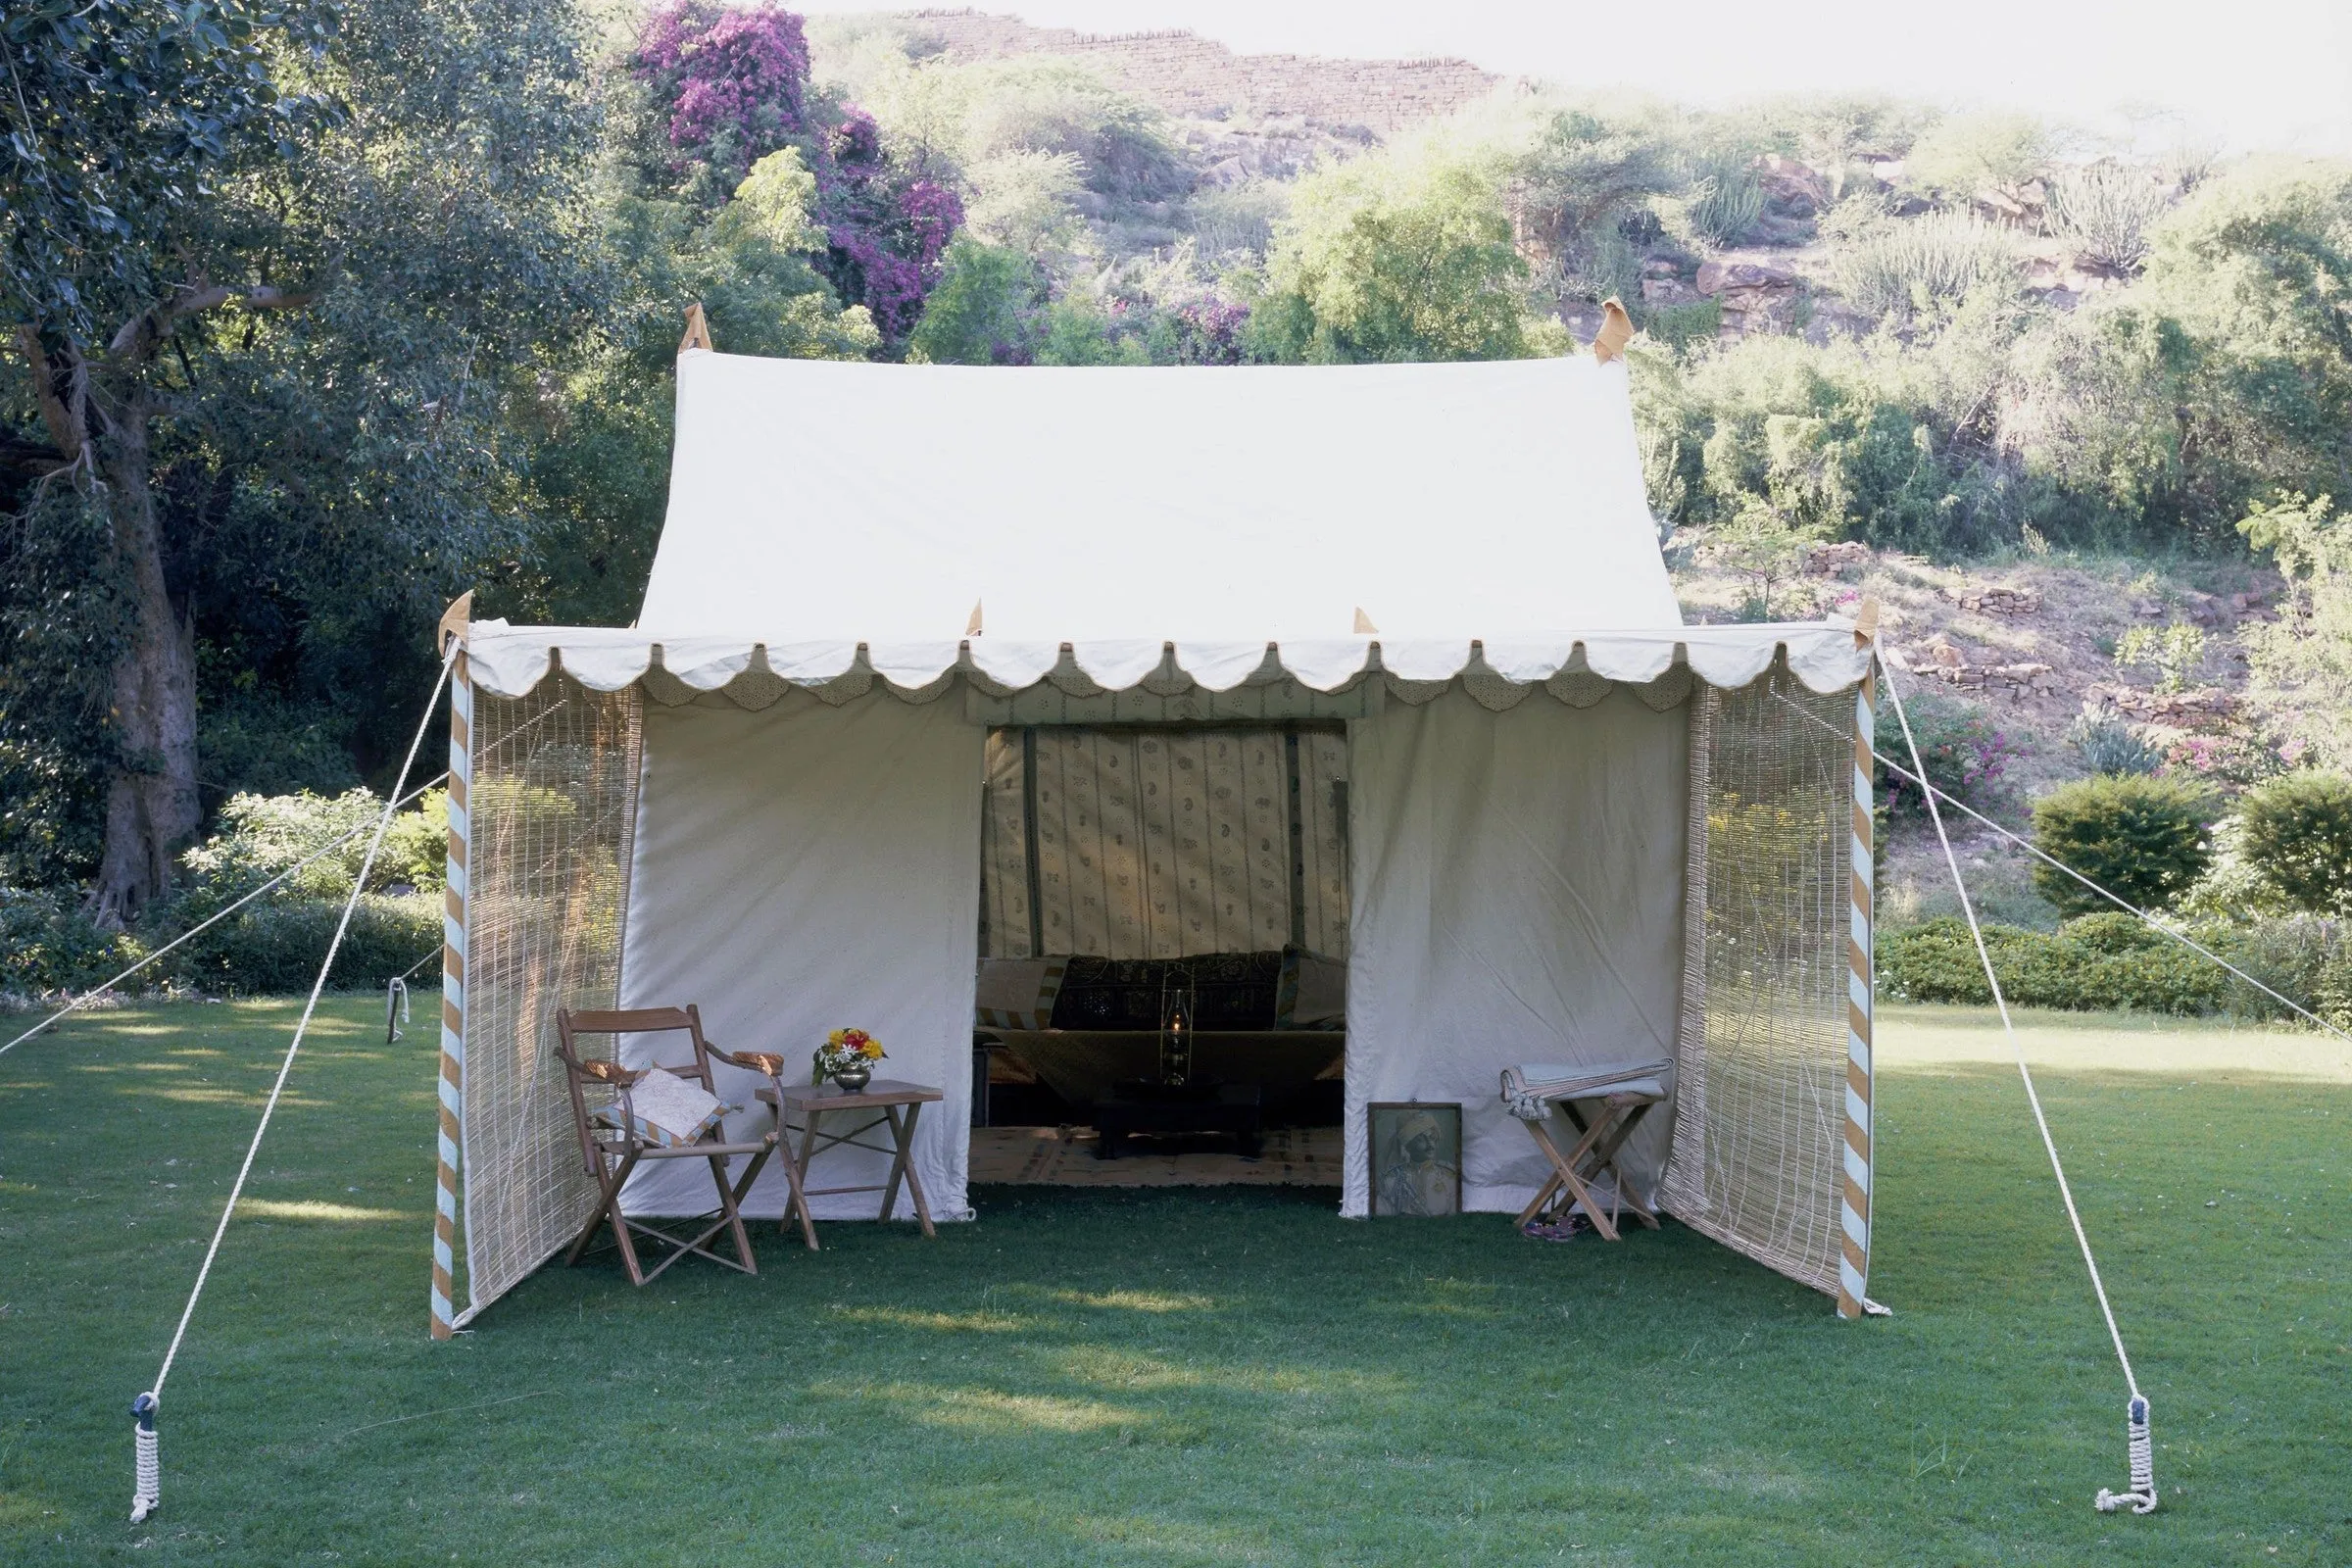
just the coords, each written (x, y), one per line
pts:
(1198, 79)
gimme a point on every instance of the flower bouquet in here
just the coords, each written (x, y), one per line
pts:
(847, 1058)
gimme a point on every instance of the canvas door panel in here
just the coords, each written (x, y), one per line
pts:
(784, 903)
(1518, 898)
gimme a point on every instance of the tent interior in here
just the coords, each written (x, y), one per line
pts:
(1141, 881)
(996, 771)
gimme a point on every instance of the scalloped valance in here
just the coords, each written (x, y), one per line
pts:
(509, 661)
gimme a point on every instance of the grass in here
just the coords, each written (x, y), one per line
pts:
(1204, 1376)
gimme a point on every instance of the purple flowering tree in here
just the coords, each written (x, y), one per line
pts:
(734, 84)
(735, 81)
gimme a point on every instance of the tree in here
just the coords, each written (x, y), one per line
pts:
(980, 312)
(287, 371)
(724, 87)
(1762, 548)
(1398, 256)
(2302, 662)
(2001, 153)
(1573, 191)
(2248, 275)
(120, 114)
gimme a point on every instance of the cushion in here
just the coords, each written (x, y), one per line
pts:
(669, 1111)
(1016, 993)
(1313, 991)
(1231, 991)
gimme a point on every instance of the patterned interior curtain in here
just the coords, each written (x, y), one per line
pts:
(1164, 842)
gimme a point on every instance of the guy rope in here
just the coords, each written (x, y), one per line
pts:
(101, 988)
(2141, 1498)
(147, 1493)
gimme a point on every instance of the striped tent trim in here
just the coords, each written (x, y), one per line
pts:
(451, 1079)
(1853, 1265)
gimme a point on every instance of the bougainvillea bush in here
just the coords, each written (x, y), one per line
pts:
(1965, 753)
(729, 85)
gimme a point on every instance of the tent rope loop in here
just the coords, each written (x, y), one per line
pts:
(147, 1495)
(2142, 1496)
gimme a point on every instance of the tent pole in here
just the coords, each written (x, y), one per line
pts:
(451, 1079)
(1036, 880)
(1854, 1271)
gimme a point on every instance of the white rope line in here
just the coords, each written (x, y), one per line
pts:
(2121, 902)
(146, 1498)
(2143, 1500)
(100, 990)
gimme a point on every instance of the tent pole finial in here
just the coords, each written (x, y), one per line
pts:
(453, 622)
(698, 330)
(1616, 331)
(1866, 622)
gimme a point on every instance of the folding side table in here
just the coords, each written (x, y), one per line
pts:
(895, 1106)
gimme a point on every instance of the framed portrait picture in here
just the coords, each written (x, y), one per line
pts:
(1416, 1157)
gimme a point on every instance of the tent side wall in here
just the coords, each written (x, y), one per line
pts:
(1771, 1141)
(552, 812)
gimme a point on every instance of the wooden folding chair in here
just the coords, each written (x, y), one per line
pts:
(612, 1147)
(1625, 1094)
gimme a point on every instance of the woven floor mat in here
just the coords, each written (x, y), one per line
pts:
(1064, 1157)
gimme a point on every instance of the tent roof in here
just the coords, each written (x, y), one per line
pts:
(831, 525)
(817, 501)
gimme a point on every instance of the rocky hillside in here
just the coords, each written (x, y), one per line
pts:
(2036, 645)
(1191, 77)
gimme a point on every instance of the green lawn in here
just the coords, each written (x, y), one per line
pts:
(1187, 1376)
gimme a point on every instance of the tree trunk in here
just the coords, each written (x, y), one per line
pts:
(151, 805)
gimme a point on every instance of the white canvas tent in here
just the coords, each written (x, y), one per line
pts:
(1577, 830)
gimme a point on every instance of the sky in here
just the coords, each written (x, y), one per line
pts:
(2247, 74)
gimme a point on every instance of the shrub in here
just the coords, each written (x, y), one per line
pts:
(2297, 956)
(259, 836)
(1902, 267)
(2107, 210)
(2099, 963)
(2297, 833)
(47, 946)
(2177, 652)
(1963, 751)
(275, 945)
(2109, 745)
(2145, 840)
(1725, 201)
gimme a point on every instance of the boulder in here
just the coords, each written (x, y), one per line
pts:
(1791, 189)
(1827, 560)
(1755, 298)
(1667, 291)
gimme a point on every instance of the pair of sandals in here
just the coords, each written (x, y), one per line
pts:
(1567, 1228)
